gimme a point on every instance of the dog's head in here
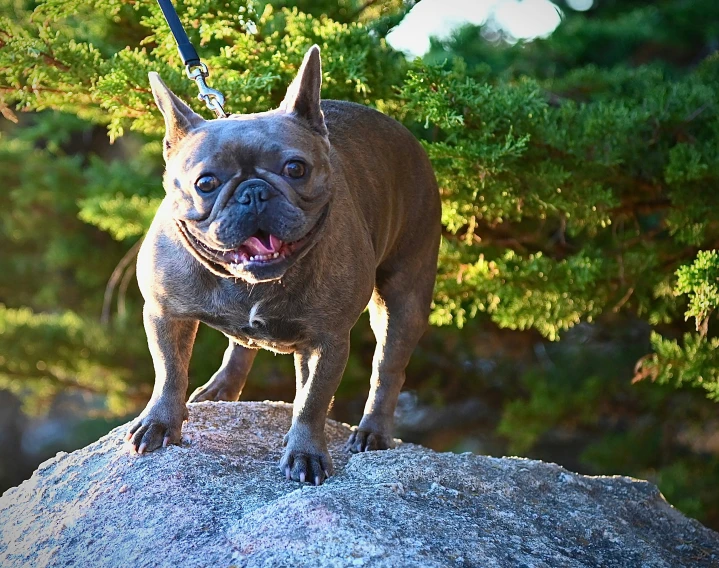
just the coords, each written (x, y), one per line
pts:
(250, 193)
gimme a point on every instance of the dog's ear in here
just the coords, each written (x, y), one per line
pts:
(303, 95)
(180, 119)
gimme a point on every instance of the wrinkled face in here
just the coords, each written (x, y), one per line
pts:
(250, 194)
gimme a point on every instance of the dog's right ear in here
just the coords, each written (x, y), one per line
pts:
(180, 119)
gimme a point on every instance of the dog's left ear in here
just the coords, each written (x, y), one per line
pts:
(303, 95)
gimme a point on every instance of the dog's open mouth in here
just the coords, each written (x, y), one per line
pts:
(260, 250)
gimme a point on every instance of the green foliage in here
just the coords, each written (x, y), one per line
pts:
(590, 164)
(518, 292)
(701, 281)
(49, 62)
(120, 216)
(695, 362)
(67, 352)
(575, 386)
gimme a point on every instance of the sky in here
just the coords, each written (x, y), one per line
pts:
(524, 19)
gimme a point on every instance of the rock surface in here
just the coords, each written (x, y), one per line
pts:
(219, 500)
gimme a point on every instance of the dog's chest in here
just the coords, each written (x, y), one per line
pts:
(274, 334)
(254, 323)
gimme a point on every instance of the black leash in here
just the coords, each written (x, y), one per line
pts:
(195, 69)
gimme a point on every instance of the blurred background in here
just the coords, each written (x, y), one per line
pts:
(575, 143)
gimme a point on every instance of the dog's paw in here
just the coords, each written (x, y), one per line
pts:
(159, 425)
(366, 440)
(306, 457)
(215, 390)
(304, 466)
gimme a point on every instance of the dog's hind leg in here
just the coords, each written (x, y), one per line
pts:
(399, 310)
(229, 380)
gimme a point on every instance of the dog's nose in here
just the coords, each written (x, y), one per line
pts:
(254, 191)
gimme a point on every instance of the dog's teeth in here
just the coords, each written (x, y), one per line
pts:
(262, 257)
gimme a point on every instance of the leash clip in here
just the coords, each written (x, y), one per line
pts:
(213, 98)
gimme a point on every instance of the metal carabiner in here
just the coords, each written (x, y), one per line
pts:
(213, 98)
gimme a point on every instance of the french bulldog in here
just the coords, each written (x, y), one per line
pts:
(278, 229)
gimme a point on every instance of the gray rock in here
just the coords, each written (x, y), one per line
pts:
(219, 500)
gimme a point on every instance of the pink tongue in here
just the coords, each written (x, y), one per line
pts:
(256, 246)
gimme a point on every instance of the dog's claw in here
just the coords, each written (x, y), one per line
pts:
(215, 390)
(305, 466)
(157, 427)
(365, 440)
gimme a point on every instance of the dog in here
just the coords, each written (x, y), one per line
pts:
(278, 229)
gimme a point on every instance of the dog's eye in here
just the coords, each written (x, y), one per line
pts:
(207, 183)
(294, 169)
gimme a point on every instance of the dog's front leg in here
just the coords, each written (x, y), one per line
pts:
(319, 371)
(170, 340)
